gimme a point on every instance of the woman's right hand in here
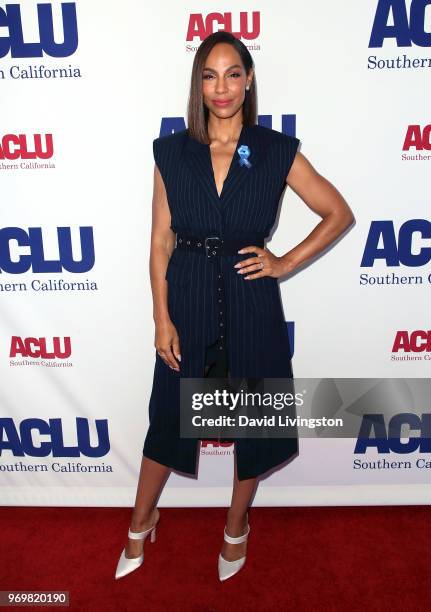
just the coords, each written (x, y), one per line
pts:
(167, 344)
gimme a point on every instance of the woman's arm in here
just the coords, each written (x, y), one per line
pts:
(162, 245)
(325, 200)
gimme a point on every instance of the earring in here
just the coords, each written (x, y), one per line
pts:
(248, 87)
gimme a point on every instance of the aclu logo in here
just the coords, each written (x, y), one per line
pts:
(22, 146)
(36, 437)
(52, 348)
(215, 444)
(404, 247)
(216, 448)
(172, 125)
(243, 25)
(418, 138)
(394, 19)
(374, 433)
(417, 341)
(12, 38)
(13, 261)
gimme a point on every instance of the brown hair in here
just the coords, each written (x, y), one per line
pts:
(197, 112)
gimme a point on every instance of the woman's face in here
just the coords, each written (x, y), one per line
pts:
(224, 80)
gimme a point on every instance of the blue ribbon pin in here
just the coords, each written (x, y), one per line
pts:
(244, 154)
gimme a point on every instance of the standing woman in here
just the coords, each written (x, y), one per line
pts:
(217, 306)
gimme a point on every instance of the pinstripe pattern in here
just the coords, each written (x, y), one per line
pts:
(257, 341)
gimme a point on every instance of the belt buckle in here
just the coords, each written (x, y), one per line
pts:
(212, 250)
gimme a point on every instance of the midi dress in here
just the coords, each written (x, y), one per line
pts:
(227, 326)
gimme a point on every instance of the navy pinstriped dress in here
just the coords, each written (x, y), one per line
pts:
(253, 341)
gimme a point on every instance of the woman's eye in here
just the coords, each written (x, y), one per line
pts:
(234, 74)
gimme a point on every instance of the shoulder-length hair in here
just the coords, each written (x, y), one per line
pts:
(197, 112)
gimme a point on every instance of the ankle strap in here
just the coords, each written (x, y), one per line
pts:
(138, 535)
(239, 539)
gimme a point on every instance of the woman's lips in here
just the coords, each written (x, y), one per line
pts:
(222, 102)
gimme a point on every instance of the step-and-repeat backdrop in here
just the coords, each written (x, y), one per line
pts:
(85, 88)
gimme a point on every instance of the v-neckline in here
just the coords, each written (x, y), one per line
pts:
(219, 196)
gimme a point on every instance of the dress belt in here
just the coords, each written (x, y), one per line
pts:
(213, 247)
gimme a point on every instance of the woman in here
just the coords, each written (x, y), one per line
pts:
(217, 187)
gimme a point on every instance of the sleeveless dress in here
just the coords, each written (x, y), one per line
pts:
(256, 343)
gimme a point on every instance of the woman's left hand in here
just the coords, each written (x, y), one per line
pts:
(264, 263)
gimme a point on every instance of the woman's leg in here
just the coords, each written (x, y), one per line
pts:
(236, 522)
(243, 492)
(152, 479)
(217, 367)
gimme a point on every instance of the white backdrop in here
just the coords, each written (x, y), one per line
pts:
(129, 73)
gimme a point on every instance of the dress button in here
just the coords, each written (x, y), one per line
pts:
(221, 324)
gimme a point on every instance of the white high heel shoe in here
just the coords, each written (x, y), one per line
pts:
(126, 565)
(226, 569)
